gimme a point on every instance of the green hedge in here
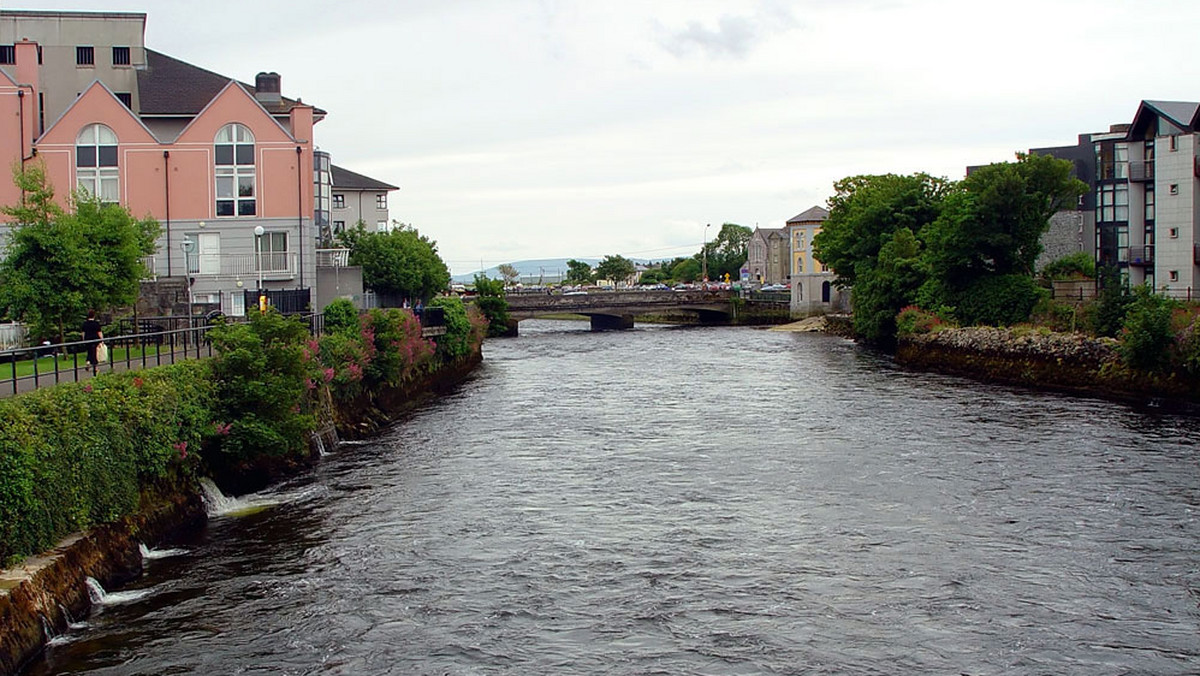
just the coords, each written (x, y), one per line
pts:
(76, 455)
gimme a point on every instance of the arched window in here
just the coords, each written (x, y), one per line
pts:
(234, 148)
(96, 170)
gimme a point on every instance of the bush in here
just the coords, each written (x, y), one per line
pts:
(1147, 336)
(264, 374)
(913, 321)
(1000, 300)
(456, 342)
(77, 455)
(1186, 355)
(341, 317)
(393, 338)
(1107, 317)
(1074, 266)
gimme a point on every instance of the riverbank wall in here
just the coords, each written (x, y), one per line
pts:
(43, 593)
(1064, 362)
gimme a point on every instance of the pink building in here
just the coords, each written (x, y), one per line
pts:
(212, 159)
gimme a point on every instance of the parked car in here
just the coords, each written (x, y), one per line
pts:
(775, 287)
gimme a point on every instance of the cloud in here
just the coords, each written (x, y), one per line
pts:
(733, 37)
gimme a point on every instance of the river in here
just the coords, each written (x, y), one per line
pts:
(675, 500)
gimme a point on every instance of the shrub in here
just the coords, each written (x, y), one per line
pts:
(263, 371)
(77, 455)
(456, 342)
(1072, 266)
(1185, 322)
(1000, 300)
(399, 350)
(1147, 335)
(1108, 315)
(341, 317)
(913, 321)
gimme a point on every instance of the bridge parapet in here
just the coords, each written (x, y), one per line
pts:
(581, 303)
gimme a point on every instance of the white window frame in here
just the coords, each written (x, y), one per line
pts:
(102, 176)
(235, 180)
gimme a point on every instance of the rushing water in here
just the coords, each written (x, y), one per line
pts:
(696, 501)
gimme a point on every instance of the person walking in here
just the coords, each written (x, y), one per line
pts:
(91, 331)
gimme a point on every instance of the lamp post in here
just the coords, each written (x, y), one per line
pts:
(704, 251)
(188, 246)
(262, 296)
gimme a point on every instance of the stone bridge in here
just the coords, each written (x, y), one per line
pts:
(616, 309)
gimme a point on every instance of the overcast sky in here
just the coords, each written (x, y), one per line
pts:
(522, 129)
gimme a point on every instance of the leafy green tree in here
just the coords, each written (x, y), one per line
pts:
(727, 252)
(509, 273)
(1080, 264)
(1112, 303)
(864, 214)
(993, 222)
(401, 261)
(686, 270)
(341, 316)
(61, 263)
(491, 302)
(616, 269)
(579, 272)
(886, 288)
(654, 276)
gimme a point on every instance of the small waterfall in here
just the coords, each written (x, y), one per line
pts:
(155, 554)
(220, 504)
(320, 446)
(96, 592)
(47, 629)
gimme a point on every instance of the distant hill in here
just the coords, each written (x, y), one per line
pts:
(548, 270)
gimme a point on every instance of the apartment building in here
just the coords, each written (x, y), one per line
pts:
(229, 169)
(1142, 207)
(359, 198)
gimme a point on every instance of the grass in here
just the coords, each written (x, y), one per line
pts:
(67, 362)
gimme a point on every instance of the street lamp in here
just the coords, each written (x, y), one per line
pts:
(262, 297)
(704, 251)
(188, 246)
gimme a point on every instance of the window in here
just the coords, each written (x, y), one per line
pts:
(1112, 203)
(96, 162)
(381, 201)
(1149, 203)
(8, 54)
(1173, 233)
(274, 252)
(1173, 142)
(126, 98)
(382, 226)
(120, 56)
(234, 149)
(85, 56)
(1174, 189)
(339, 226)
(339, 201)
(1173, 275)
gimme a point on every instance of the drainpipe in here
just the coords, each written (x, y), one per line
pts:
(167, 201)
(300, 209)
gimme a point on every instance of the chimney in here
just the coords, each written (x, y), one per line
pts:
(266, 89)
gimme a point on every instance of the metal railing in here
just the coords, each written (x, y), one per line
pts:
(333, 258)
(68, 361)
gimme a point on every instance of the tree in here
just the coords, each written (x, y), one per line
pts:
(491, 302)
(886, 288)
(727, 253)
(864, 214)
(616, 269)
(509, 273)
(578, 272)
(993, 222)
(61, 263)
(401, 261)
(686, 270)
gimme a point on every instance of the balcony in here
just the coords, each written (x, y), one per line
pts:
(275, 265)
(333, 258)
(1141, 171)
(1142, 256)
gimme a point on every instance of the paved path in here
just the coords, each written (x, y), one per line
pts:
(69, 373)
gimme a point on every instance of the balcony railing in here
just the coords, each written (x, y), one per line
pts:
(333, 258)
(1141, 171)
(1141, 255)
(274, 265)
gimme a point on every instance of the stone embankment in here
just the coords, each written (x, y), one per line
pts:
(1065, 362)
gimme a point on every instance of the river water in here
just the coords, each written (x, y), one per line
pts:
(695, 501)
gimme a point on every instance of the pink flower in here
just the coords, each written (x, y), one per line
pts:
(87, 388)
(356, 372)
(180, 446)
(329, 374)
(138, 382)
(308, 383)
(223, 429)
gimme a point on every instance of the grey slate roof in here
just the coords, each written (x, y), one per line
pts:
(348, 180)
(169, 86)
(1180, 112)
(810, 215)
